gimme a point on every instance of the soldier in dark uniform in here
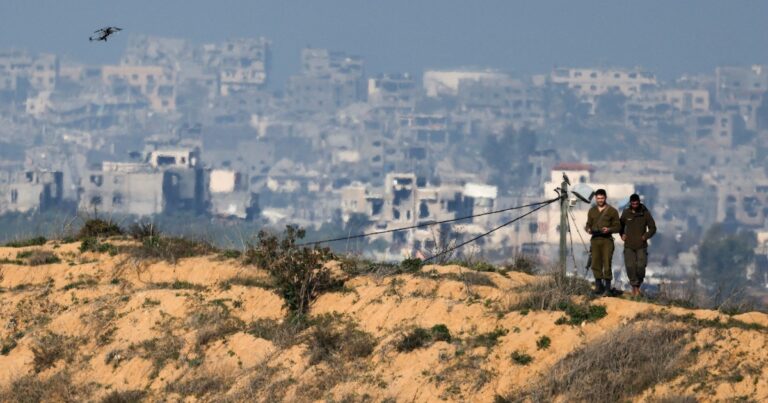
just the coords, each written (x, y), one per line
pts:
(602, 222)
(637, 227)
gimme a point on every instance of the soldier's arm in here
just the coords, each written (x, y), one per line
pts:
(651, 225)
(590, 222)
(614, 222)
(623, 222)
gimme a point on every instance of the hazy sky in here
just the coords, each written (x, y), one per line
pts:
(669, 37)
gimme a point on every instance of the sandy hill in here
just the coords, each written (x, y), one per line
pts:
(85, 326)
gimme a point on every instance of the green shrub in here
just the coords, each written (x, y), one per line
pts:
(94, 245)
(298, 273)
(543, 343)
(411, 265)
(521, 358)
(179, 285)
(489, 339)
(98, 228)
(578, 313)
(231, 254)
(440, 332)
(37, 241)
(246, 281)
(416, 338)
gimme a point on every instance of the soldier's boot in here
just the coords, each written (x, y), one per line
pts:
(608, 290)
(635, 291)
(599, 288)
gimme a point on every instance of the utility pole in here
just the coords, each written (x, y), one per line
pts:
(563, 224)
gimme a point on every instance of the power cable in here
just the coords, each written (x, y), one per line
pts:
(491, 231)
(547, 202)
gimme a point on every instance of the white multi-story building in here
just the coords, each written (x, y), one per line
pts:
(591, 82)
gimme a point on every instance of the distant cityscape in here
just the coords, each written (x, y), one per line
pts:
(181, 127)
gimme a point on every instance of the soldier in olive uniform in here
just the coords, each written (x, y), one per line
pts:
(637, 227)
(602, 222)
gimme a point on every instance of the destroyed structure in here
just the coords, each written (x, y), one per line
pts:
(176, 126)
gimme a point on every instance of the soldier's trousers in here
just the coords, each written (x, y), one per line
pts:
(602, 255)
(635, 260)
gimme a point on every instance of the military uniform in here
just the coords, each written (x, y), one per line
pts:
(638, 225)
(601, 243)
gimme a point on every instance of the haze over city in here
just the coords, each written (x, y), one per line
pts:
(670, 38)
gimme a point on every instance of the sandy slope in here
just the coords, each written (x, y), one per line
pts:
(109, 305)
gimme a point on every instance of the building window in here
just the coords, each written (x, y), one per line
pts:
(14, 196)
(117, 199)
(97, 180)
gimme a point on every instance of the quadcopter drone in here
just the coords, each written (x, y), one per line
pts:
(104, 33)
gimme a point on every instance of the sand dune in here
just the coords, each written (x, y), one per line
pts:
(95, 326)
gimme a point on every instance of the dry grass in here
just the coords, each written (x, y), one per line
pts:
(159, 350)
(282, 333)
(52, 347)
(338, 338)
(124, 396)
(213, 322)
(551, 293)
(615, 367)
(56, 388)
(169, 249)
(464, 375)
(200, 386)
(37, 257)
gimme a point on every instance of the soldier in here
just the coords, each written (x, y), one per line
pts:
(637, 227)
(602, 222)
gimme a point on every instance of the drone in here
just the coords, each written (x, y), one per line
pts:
(104, 33)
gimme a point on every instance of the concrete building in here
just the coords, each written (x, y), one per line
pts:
(651, 109)
(22, 192)
(505, 98)
(242, 64)
(168, 180)
(124, 188)
(229, 194)
(446, 82)
(742, 196)
(156, 83)
(740, 90)
(393, 92)
(591, 82)
(405, 200)
(329, 80)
